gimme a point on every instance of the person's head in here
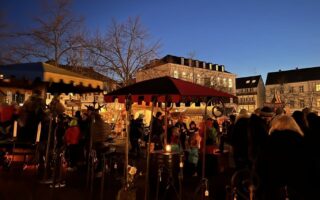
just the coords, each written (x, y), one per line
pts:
(78, 113)
(299, 117)
(284, 122)
(280, 111)
(266, 113)
(192, 125)
(232, 118)
(141, 116)
(158, 115)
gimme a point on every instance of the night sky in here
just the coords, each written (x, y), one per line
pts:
(248, 37)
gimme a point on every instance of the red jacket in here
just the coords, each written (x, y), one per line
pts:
(72, 135)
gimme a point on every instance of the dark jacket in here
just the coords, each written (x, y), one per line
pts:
(283, 164)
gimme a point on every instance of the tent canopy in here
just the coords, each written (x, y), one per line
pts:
(168, 89)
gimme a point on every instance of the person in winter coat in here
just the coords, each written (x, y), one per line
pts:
(157, 131)
(72, 138)
(282, 165)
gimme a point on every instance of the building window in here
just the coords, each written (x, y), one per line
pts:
(318, 102)
(301, 103)
(198, 79)
(318, 87)
(247, 81)
(272, 91)
(290, 89)
(224, 82)
(230, 83)
(253, 81)
(218, 80)
(175, 74)
(210, 66)
(191, 76)
(211, 81)
(184, 75)
(291, 103)
(301, 89)
(207, 81)
(281, 91)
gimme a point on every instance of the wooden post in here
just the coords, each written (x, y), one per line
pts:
(146, 192)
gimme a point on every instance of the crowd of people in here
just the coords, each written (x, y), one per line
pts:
(69, 134)
(280, 149)
(277, 147)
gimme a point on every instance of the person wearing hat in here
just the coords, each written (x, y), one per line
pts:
(266, 113)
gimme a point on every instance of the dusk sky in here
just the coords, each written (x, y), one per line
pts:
(248, 37)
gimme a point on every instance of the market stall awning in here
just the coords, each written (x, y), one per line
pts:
(58, 79)
(168, 89)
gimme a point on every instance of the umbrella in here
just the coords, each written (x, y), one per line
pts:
(165, 90)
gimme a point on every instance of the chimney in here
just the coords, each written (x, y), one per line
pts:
(210, 66)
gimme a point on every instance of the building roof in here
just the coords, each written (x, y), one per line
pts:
(35, 70)
(47, 73)
(188, 62)
(295, 75)
(88, 71)
(247, 82)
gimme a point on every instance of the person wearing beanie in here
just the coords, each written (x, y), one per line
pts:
(266, 113)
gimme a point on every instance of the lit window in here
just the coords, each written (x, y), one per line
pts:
(198, 78)
(301, 89)
(318, 102)
(224, 82)
(253, 81)
(281, 91)
(175, 74)
(301, 102)
(211, 81)
(230, 83)
(291, 90)
(247, 81)
(184, 75)
(291, 102)
(317, 87)
(191, 76)
(218, 80)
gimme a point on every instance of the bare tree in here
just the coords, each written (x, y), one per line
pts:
(56, 34)
(123, 50)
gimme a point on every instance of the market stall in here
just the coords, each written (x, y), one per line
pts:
(165, 90)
